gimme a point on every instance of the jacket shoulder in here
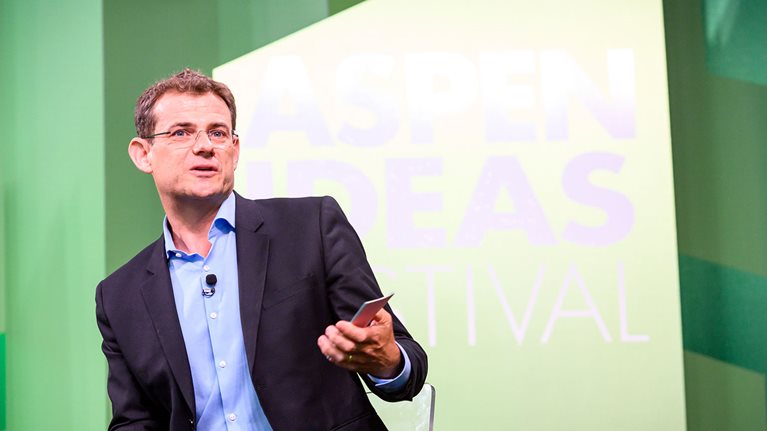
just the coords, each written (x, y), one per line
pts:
(283, 209)
(135, 266)
(284, 204)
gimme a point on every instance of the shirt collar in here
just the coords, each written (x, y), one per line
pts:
(223, 222)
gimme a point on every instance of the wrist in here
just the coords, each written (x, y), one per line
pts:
(396, 366)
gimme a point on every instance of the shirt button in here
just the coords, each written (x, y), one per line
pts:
(178, 254)
(206, 268)
(222, 364)
(232, 417)
(213, 315)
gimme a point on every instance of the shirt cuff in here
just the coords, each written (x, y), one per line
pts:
(396, 383)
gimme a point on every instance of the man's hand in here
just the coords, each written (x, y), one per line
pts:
(369, 350)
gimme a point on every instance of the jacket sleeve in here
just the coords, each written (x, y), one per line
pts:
(131, 409)
(350, 282)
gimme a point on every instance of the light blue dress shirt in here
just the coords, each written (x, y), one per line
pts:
(223, 390)
(224, 395)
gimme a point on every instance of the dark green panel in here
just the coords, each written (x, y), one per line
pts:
(335, 6)
(718, 133)
(715, 61)
(143, 41)
(244, 25)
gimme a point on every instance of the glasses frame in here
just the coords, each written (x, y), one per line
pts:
(196, 136)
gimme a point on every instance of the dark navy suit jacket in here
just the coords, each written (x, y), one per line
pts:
(301, 267)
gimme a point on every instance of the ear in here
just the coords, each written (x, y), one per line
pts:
(138, 149)
(236, 150)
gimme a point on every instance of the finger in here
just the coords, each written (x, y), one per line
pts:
(336, 357)
(351, 332)
(339, 340)
(330, 351)
(326, 346)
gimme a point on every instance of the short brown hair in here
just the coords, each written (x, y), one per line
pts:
(186, 81)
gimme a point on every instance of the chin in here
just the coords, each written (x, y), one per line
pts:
(210, 194)
(201, 194)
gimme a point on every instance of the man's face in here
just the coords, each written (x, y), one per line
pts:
(201, 170)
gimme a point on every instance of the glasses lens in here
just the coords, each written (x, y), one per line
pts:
(185, 138)
(181, 137)
(218, 136)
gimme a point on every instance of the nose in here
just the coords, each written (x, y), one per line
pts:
(204, 144)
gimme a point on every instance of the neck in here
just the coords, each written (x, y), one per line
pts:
(190, 222)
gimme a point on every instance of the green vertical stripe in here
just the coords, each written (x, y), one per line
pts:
(51, 82)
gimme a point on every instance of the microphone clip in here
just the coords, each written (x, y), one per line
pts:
(210, 289)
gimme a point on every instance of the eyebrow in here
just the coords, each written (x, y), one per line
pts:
(215, 125)
(183, 124)
(186, 124)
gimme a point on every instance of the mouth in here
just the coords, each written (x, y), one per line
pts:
(203, 170)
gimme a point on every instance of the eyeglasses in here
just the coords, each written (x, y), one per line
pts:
(184, 138)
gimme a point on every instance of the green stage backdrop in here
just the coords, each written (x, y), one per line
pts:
(72, 70)
(509, 171)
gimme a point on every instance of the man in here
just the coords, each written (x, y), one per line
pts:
(237, 317)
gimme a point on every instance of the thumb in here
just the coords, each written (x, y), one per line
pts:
(381, 318)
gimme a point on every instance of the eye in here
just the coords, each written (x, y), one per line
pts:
(179, 133)
(217, 133)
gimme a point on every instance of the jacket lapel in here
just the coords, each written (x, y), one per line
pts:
(252, 258)
(157, 292)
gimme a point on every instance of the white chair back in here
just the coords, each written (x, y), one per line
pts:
(416, 415)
